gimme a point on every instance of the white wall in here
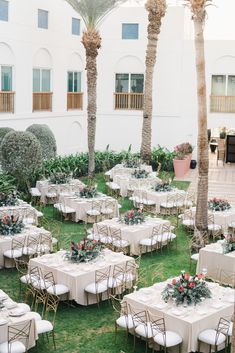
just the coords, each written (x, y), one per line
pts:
(174, 91)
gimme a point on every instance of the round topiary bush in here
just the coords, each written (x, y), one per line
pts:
(21, 155)
(46, 138)
(3, 132)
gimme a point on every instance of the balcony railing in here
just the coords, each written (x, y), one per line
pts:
(7, 102)
(131, 101)
(222, 104)
(74, 100)
(42, 101)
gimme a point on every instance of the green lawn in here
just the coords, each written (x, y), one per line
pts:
(89, 329)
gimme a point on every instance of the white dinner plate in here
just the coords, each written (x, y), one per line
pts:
(10, 305)
(3, 296)
(3, 322)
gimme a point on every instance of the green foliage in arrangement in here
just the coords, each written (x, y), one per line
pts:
(3, 132)
(46, 138)
(7, 184)
(21, 155)
(163, 158)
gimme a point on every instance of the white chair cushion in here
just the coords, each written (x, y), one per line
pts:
(58, 289)
(43, 326)
(167, 205)
(208, 336)
(115, 282)
(35, 192)
(188, 222)
(39, 214)
(214, 227)
(113, 186)
(145, 330)
(93, 213)
(51, 195)
(54, 241)
(93, 236)
(35, 316)
(14, 347)
(169, 235)
(230, 330)
(96, 288)
(172, 339)
(148, 242)
(107, 211)
(149, 202)
(188, 204)
(66, 209)
(125, 321)
(129, 277)
(195, 257)
(11, 254)
(232, 225)
(24, 307)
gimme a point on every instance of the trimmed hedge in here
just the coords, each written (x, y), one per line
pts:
(3, 132)
(21, 155)
(46, 138)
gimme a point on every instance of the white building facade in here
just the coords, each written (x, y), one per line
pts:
(43, 76)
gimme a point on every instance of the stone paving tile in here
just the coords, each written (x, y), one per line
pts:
(221, 179)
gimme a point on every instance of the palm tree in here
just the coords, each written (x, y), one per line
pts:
(198, 9)
(92, 12)
(156, 11)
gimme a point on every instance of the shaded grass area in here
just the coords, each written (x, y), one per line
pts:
(89, 329)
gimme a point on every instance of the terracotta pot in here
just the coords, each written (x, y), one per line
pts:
(181, 167)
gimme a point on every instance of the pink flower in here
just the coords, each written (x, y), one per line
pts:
(180, 289)
(174, 281)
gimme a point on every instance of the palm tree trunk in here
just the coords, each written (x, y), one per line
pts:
(202, 144)
(156, 10)
(91, 41)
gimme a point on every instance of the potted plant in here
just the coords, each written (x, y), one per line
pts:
(183, 156)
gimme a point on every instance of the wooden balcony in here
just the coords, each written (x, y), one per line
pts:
(130, 101)
(42, 101)
(74, 100)
(7, 102)
(222, 104)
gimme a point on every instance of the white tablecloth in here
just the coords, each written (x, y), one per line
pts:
(212, 258)
(43, 186)
(24, 319)
(19, 210)
(82, 205)
(158, 197)
(77, 276)
(190, 321)
(134, 233)
(223, 218)
(126, 181)
(120, 170)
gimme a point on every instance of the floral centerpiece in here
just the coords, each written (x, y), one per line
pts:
(59, 178)
(229, 243)
(216, 204)
(164, 186)
(8, 199)
(10, 225)
(85, 250)
(133, 217)
(131, 163)
(140, 173)
(187, 289)
(88, 192)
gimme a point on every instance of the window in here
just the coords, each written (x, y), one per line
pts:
(74, 81)
(129, 83)
(130, 31)
(6, 78)
(42, 19)
(129, 91)
(76, 26)
(74, 94)
(41, 80)
(3, 10)
(222, 94)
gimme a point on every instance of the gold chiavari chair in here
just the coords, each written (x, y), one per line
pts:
(118, 243)
(16, 251)
(116, 281)
(17, 337)
(124, 319)
(93, 214)
(100, 286)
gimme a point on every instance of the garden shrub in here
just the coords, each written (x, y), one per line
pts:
(21, 155)
(162, 156)
(3, 132)
(46, 138)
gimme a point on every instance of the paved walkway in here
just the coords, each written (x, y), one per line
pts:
(221, 179)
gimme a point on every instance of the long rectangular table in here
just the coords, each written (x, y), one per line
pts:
(190, 321)
(211, 257)
(222, 218)
(119, 169)
(81, 205)
(133, 234)
(127, 181)
(76, 276)
(22, 319)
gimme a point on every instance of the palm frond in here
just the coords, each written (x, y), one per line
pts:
(93, 11)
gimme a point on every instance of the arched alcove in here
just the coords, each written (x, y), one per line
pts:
(124, 64)
(75, 62)
(42, 58)
(7, 56)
